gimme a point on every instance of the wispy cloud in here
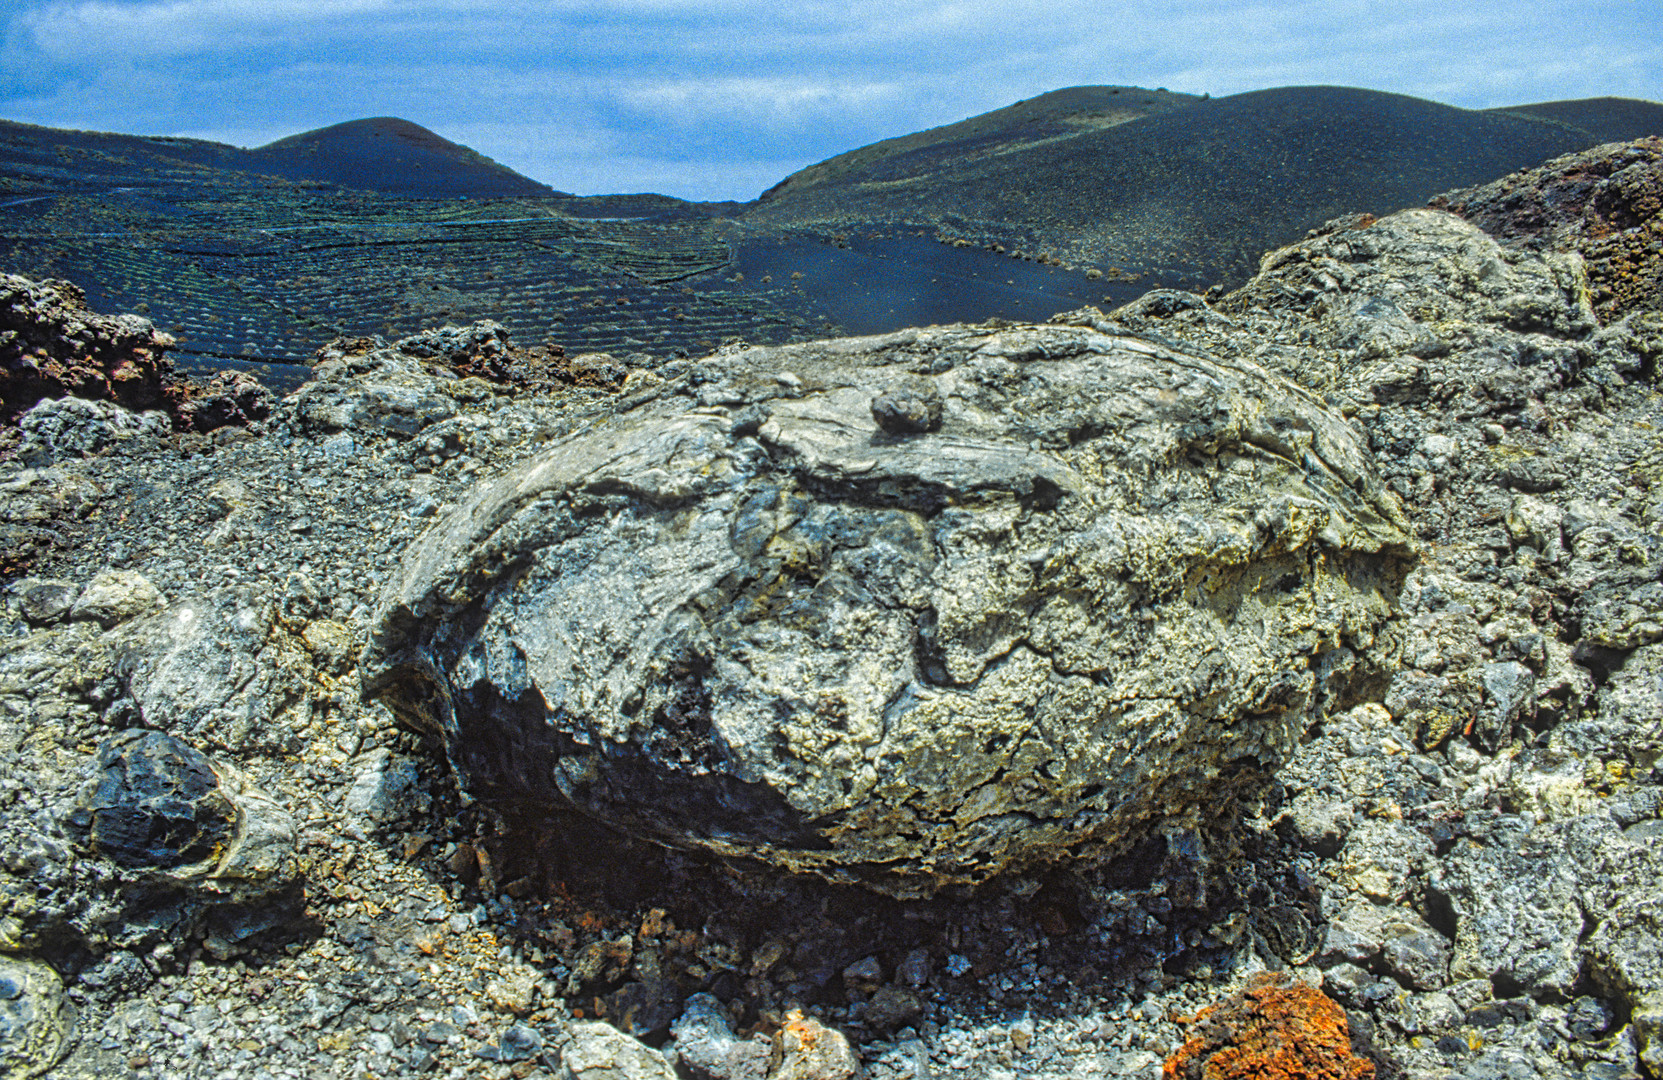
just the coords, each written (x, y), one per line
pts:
(702, 97)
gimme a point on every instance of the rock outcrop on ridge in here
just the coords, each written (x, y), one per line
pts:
(1109, 588)
(1606, 204)
(1463, 855)
(52, 346)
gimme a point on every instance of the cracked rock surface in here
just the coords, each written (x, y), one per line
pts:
(1110, 590)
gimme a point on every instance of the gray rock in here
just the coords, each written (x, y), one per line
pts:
(1517, 909)
(45, 602)
(906, 661)
(1418, 957)
(70, 427)
(379, 392)
(165, 812)
(909, 409)
(1630, 715)
(1317, 824)
(1508, 687)
(1428, 1014)
(383, 788)
(891, 1007)
(865, 974)
(1393, 939)
(809, 1050)
(601, 1052)
(35, 1020)
(1381, 859)
(1624, 619)
(914, 969)
(705, 1042)
(1625, 951)
(218, 669)
(519, 1043)
(115, 596)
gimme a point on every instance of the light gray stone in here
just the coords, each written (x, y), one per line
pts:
(1099, 596)
(705, 1042)
(35, 1019)
(1518, 913)
(115, 596)
(601, 1052)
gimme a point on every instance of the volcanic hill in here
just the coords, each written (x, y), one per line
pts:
(1182, 186)
(1087, 195)
(381, 154)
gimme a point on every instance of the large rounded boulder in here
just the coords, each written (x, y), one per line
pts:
(907, 610)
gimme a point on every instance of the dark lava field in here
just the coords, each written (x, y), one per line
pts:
(1090, 195)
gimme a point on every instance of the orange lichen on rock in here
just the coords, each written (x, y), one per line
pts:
(1275, 1029)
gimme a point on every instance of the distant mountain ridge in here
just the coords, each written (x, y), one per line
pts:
(1057, 114)
(1087, 195)
(1208, 183)
(378, 154)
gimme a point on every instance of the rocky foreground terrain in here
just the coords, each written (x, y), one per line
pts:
(1268, 684)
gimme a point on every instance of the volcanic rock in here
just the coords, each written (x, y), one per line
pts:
(55, 429)
(602, 1052)
(1273, 1029)
(1113, 587)
(1605, 203)
(162, 808)
(35, 1019)
(228, 398)
(52, 345)
(704, 1040)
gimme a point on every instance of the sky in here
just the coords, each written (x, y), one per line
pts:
(720, 99)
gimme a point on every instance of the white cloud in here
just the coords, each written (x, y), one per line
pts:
(71, 29)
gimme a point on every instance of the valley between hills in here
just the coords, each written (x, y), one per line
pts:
(1090, 195)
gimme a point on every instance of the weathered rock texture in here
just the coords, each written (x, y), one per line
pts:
(1605, 203)
(1273, 1030)
(1468, 852)
(1114, 586)
(35, 1020)
(52, 345)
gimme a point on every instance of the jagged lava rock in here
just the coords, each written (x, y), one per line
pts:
(1114, 587)
(52, 345)
(1605, 203)
(1273, 1030)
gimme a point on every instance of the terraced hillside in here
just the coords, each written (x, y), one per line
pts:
(1089, 195)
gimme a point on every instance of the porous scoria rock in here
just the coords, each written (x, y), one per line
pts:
(1115, 586)
(1273, 1030)
(1605, 203)
(52, 345)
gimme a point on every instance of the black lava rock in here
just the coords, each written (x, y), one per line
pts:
(157, 803)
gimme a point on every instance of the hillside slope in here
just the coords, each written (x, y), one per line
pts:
(383, 154)
(1060, 114)
(1605, 119)
(1199, 189)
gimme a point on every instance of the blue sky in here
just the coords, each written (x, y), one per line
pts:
(718, 99)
